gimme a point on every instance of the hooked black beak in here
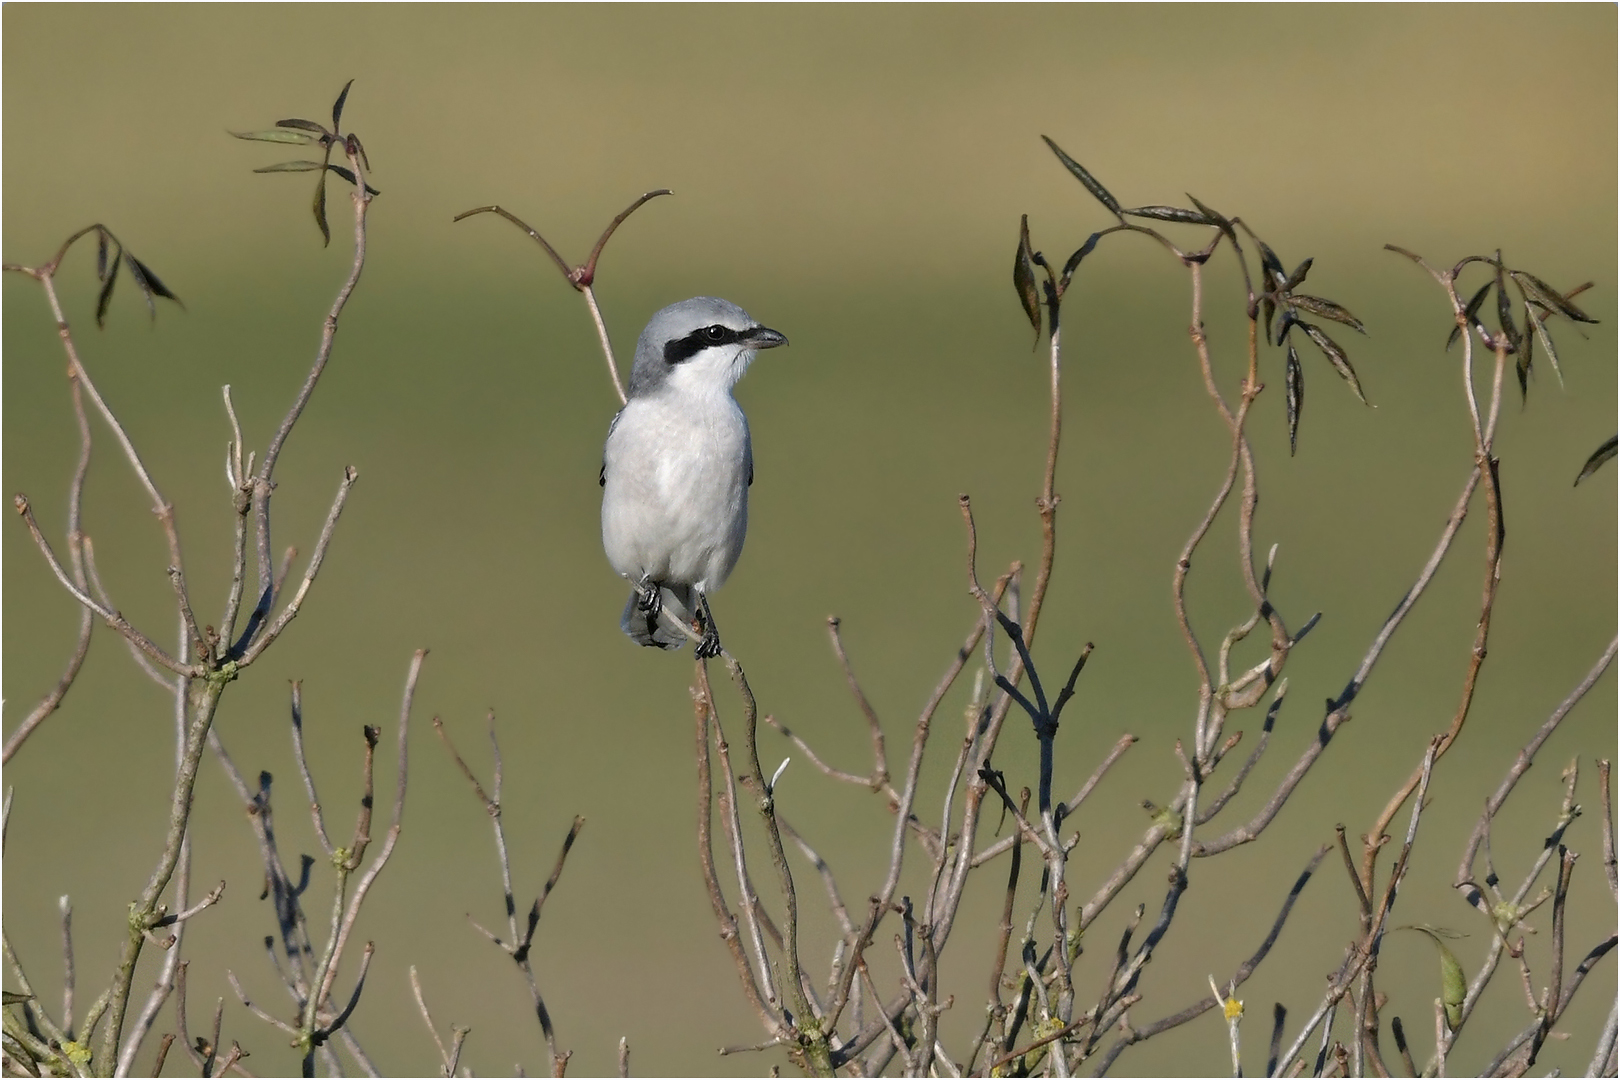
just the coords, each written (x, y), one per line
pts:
(763, 337)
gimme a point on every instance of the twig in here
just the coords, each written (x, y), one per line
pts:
(290, 612)
(303, 767)
(1521, 765)
(1609, 867)
(363, 886)
(518, 946)
(112, 618)
(880, 763)
(76, 543)
(181, 916)
(263, 486)
(702, 709)
(446, 1068)
(583, 276)
(1338, 710)
(1239, 977)
(1124, 743)
(100, 592)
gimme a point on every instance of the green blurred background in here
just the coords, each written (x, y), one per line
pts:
(854, 177)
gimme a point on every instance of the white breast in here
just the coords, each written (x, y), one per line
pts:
(675, 492)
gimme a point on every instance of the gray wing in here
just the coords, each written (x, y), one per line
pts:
(601, 477)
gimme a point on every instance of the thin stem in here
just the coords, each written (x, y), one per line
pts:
(262, 485)
(76, 541)
(607, 346)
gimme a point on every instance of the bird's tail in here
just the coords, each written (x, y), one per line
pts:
(679, 603)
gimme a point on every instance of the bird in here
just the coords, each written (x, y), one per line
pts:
(677, 467)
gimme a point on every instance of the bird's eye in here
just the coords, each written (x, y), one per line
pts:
(716, 334)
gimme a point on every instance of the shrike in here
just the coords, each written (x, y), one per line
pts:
(677, 467)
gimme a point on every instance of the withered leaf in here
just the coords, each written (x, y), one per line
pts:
(1170, 213)
(1289, 318)
(1269, 308)
(109, 279)
(349, 176)
(277, 135)
(1295, 387)
(1539, 325)
(1504, 318)
(291, 166)
(1074, 260)
(1090, 182)
(1269, 260)
(1595, 462)
(1327, 309)
(1470, 313)
(148, 280)
(1297, 278)
(1336, 357)
(302, 125)
(320, 209)
(361, 149)
(1216, 219)
(337, 106)
(1549, 297)
(1024, 279)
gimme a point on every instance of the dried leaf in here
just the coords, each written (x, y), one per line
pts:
(291, 166)
(1327, 309)
(1269, 260)
(337, 106)
(349, 176)
(1290, 318)
(1595, 462)
(1216, 219)
(360, 148)
(1295, 387)
(1085, 178)
(1525, 360)
(148, 280)
(1540, 327)
(1024, 279)
(320, 209)
(101, 256)
(1550, 298)
(1504, 317)
(108, 281)
(320, 195)
(302, 125)
(1269, 307)
(1336, 357)
(278, 135)
(1074, 260)
(1470, 313)
(138, 272)
(1397, 249)
(1170, 213)
(1297, 278)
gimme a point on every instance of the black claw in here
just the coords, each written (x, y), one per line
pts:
(709, 647)
(650, 599)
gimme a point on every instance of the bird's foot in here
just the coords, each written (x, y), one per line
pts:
(649, 599)
(709, 646)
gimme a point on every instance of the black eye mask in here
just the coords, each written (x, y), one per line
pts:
(683, 349)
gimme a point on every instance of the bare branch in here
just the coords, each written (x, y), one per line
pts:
(262, 482)
(290, 612)
(112, 618)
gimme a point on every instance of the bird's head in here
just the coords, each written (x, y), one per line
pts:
(701, 345)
